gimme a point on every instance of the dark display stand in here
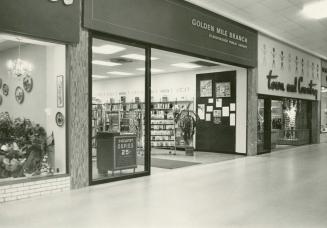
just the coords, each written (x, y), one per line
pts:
(115, 152)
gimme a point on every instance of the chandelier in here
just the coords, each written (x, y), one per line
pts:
(19, 68)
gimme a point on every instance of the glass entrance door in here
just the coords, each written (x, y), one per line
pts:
(264, 126)
(119, 111)
(277, 122)
(260, 126)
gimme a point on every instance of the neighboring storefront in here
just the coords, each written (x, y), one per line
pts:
(288, 95)
(133, 111)
(323, 107)
(34, 80)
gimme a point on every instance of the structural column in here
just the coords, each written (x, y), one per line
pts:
(315, 122)
(78, 111)
(252, 107)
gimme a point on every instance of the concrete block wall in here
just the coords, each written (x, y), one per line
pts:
(31, 189)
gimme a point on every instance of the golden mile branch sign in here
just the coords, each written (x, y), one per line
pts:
(221, 34)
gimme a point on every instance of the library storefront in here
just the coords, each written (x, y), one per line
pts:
(168, 86)
(33, 139)
(289, 94)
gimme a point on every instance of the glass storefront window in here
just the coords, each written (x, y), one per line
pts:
(32, 108)
(323, 123)
(260, 126)
(295, 125)
(118, 110)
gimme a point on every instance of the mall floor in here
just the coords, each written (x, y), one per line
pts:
(286, 188)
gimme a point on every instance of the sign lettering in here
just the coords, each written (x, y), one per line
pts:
(221, 34)
(297, 86)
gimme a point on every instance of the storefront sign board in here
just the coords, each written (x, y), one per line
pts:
(174, 24)
(286, 71)
(45, 19)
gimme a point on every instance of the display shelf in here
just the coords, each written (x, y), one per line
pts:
(97, 121)
(129, 118)
(162, 120)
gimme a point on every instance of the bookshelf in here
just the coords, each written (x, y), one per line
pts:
(164, 130)
(128, 118)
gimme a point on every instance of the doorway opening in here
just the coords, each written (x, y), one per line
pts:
(194, 117)
(155, 110)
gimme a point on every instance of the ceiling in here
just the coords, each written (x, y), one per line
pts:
(163, 61)
(281, 19)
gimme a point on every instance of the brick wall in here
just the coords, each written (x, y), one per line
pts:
(30, 189)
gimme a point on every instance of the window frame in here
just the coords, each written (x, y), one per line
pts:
(147, 95)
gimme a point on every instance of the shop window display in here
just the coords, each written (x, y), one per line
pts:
(323, 115)
(295, 130)
(31, 142)
(289, 123)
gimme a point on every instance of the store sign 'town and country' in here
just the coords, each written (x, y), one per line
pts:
(296, 86)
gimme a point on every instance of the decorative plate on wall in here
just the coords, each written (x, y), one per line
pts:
(28, 84)
(60, 119)
(5, 89)
(19, 94)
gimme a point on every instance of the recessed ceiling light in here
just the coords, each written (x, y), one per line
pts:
(107, 49)
(105, 63)
(315, 10)
(153, 70)
(186, 65)
(99, 76)
(119, 73)
(137, 57)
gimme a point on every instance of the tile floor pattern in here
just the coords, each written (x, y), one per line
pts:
(178, 155)
(282, 189)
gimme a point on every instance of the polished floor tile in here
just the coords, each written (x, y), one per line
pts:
(286, 188)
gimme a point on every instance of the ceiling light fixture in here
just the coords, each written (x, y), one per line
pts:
(105, 63)
(153, 70)
(107, 49)
(315, 10)
(99, 76)
(119, 73)
(19, 68)
(186, 65)
(137, 57)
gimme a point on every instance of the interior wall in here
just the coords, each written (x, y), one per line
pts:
(56, 66)
(114, 88)
(36, 55)
(176, 86)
